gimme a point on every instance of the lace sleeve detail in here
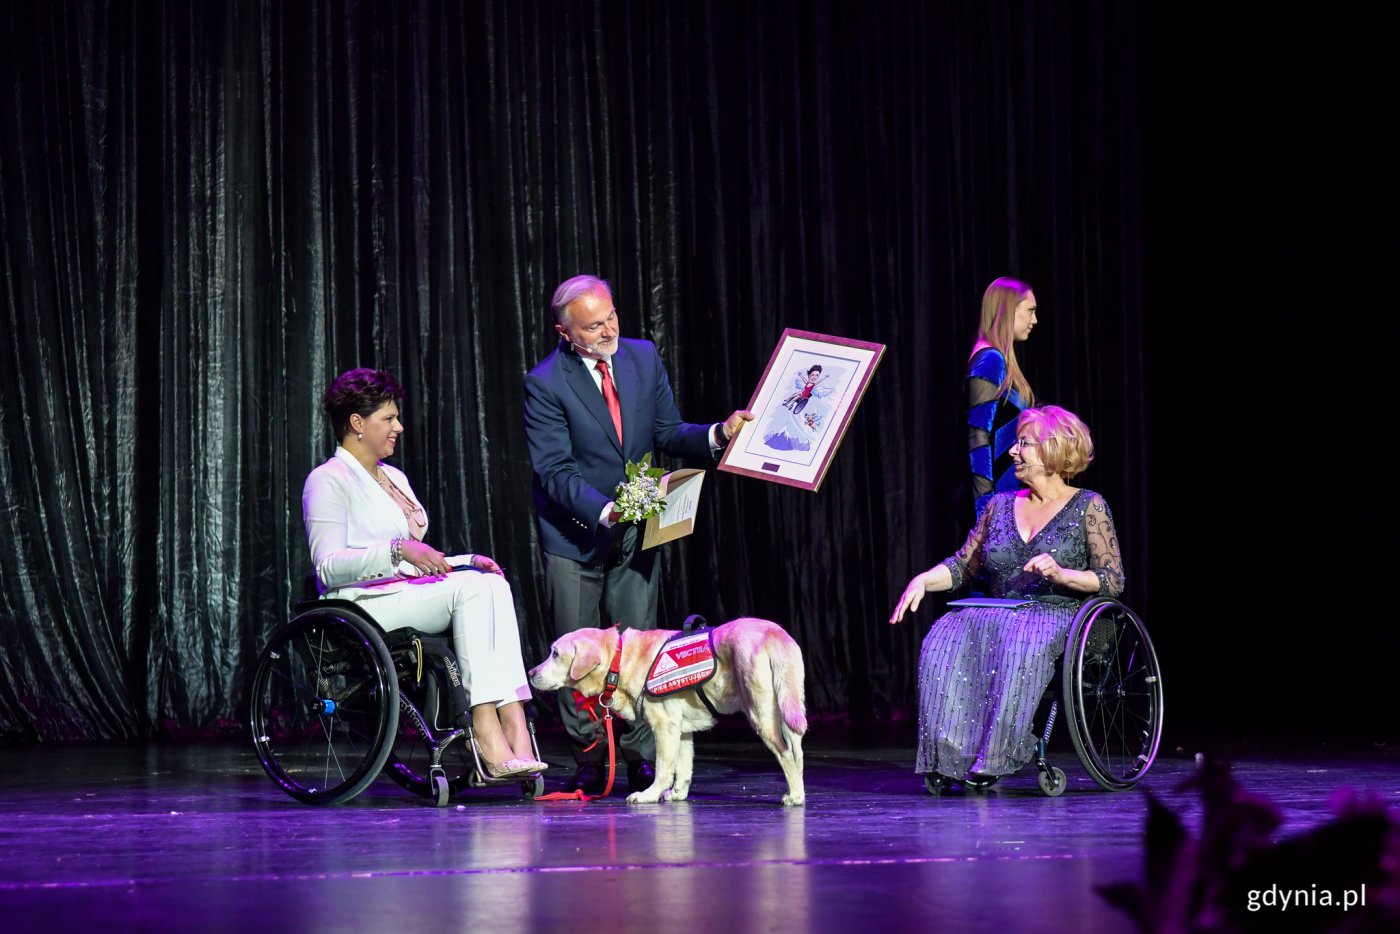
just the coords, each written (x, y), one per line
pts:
(967, 561)
(1105, 560)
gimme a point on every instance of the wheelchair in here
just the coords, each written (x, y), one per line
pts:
(336, 701)
(1110, 689)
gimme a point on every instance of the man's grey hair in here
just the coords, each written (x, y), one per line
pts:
(571, 289)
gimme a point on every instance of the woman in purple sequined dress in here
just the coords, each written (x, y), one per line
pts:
(983, 669)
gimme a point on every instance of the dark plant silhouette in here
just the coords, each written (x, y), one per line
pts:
(1235, 878)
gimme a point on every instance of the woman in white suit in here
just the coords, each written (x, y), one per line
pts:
(366, 527)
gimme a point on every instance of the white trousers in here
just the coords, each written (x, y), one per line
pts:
(479, 608)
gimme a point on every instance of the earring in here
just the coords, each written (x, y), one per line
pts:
(359, 436)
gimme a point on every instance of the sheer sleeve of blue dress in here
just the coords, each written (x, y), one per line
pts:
(991, 426)
(985, 371)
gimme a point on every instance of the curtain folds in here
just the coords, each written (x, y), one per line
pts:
(209, 210)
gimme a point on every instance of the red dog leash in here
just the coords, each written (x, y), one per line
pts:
(591, 704)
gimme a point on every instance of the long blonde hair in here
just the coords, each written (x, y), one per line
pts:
(998, 328)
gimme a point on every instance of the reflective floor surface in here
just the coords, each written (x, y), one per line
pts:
(196, 837)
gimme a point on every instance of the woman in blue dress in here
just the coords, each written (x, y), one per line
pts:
(997, 390)
(983, 669)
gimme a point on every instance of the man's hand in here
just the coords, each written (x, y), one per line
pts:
(733, 423)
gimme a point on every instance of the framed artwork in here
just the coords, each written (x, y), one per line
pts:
(802, 407)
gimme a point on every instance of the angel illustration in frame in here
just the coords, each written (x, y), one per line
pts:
(802, 407)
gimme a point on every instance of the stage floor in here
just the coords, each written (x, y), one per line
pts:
(195, 836)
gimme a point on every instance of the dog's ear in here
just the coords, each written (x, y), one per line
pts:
(587, 656)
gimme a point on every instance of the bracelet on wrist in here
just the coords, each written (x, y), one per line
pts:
(395, 551)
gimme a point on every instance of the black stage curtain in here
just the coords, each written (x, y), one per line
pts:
(210, 209)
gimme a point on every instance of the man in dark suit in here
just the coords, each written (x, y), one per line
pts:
(596, 402)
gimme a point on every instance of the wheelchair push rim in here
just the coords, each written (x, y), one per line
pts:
(1113, 686)
(324, 706)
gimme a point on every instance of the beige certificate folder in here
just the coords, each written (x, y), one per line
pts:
(682, 491)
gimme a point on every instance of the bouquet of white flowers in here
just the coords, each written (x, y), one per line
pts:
(639, 498)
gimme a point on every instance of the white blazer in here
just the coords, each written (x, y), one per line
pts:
(350, 520)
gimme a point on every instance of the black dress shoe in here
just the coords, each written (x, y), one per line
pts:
(640, 775)
(591, 778)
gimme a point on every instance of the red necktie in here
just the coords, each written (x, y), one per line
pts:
(610, 397)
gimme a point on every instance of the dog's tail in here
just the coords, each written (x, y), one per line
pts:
(789, 679)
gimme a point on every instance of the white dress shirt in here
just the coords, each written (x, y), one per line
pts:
(605, 520)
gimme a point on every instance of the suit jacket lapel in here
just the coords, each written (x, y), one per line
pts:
(629, 383)
(580, 380)
(378, 507)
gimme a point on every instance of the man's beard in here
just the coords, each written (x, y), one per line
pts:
(606, 351)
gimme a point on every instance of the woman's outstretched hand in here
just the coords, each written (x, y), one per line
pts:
(911, 598)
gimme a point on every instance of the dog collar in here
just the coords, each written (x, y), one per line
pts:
(605, 700)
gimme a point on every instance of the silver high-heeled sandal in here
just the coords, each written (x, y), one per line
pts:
(508, 770)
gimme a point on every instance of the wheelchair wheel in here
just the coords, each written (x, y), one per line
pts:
(936, 784)
(324, 706)
(410, 759)
(1112, 687)
(1052, 781)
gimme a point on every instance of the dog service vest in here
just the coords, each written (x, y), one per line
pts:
(685, 661)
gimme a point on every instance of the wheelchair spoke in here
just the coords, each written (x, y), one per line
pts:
(330, 756)
(298, 688)
(1115, 741)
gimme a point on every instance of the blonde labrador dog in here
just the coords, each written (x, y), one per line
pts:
(758, 669)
